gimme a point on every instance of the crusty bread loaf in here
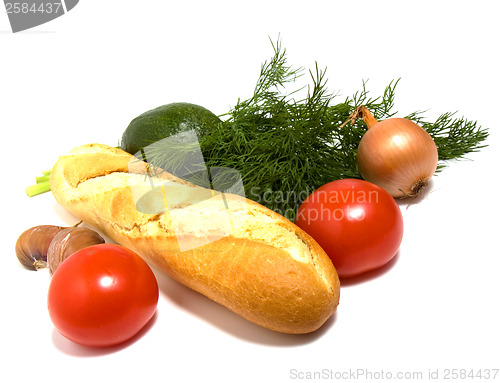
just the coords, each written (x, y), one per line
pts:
(264, 268)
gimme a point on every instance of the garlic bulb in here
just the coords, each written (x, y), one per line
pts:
(47, 245)
(33, 244)
(69, 241)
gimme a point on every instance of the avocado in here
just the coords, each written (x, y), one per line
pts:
(164, 121)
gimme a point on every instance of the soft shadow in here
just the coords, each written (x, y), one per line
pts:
(225, 320)
(197, 304)
(409, 201)
(68, 218)
(370, 275)
(74, 349)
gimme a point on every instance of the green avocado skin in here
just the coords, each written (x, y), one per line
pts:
(164, 121)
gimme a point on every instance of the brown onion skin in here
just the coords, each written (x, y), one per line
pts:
(398, 155)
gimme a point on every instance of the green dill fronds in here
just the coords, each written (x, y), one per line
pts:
(455, 137)
(286, 144)
(286, 148)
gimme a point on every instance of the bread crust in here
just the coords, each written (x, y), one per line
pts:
(266, 269)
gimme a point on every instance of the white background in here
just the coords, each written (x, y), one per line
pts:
(82, 77)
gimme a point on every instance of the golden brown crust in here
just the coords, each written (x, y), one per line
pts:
(266, 269)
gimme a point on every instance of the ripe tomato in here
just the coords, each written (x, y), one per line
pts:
(357, 223)
(102, 295)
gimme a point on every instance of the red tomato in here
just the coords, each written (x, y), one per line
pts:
(357, 223)
(102, 295)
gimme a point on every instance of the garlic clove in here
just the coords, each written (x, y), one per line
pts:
(69, 241)
(33, 244)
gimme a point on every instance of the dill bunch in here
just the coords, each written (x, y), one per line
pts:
(285, 147)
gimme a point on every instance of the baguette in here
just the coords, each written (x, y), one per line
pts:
(265, 268)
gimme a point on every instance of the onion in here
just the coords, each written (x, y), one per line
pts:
(396, 154)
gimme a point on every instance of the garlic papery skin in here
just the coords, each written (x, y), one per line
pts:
(33, 244)
(69, 241)
(396, 154)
